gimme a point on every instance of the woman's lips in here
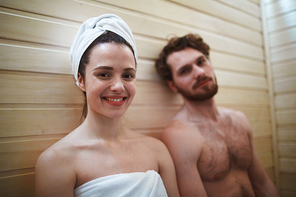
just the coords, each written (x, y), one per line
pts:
(115, 101)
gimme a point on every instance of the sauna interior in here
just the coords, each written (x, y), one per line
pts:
(253, 51)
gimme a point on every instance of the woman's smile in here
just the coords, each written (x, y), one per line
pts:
(115, 101)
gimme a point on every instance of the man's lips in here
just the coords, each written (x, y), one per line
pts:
(202, 82)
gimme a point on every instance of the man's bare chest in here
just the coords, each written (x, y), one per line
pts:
(225, 147)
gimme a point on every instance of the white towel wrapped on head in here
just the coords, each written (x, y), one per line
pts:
(136, 184)
(92, 29)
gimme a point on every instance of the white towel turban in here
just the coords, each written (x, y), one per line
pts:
(92, 29)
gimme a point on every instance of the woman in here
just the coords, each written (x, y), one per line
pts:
(101, 157)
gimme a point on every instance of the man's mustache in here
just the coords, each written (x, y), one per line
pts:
(201, 80)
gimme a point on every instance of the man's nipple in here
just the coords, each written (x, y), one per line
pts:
(217, 176)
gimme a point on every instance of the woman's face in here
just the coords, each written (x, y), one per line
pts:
(110, 79)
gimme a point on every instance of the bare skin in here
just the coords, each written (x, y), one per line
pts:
(212, 147)
(101, 146)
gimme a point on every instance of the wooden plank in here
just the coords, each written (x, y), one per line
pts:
(222, 11)
(282, 69)
(262, 146)
(22, 185)
(282, 22)
(37, 121)
(285, 101)
(39, 88)
(270, 173)
(228, 79)
(287, 134)
(22, 88)
(285, 193)
(22, 154)
(36, 30)
(284, 37)
(285, 85)
(242, 97)
(245, 6)
(24, 58)
(254, 114)
(255, 1)
(20, 57)
(288, 165)
(266, 160)
(15, 31)
(287, 149)
(286, 53)
(261, 130)
(280, 7)
(152, 117)
(188, 17)
(270, 94)
(286, 117)
(288, 182)
(236, 63)
(155, 93)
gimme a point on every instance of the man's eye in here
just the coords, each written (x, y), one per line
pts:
(200, 62)
(183, 71)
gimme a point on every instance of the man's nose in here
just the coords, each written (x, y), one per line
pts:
(198, 72)
(117, 85)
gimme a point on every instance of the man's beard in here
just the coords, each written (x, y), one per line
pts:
(208, 93)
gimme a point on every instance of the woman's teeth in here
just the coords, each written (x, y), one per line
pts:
(116, 100)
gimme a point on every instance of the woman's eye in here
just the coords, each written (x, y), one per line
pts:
(128, 76)
(103, 75)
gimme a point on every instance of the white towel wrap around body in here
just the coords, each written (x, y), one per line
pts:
(136, 184)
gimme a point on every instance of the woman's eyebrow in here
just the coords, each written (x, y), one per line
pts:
(128, 69)
(103, 68)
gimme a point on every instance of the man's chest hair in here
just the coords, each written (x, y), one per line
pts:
(225, 146)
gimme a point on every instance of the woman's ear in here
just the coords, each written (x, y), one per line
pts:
(172, 85)
(81, 82)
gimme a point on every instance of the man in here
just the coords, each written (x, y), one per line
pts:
(211, 146)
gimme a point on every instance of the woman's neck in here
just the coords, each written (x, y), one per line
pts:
(103, 127)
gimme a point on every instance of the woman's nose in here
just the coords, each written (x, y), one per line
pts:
(117, 85)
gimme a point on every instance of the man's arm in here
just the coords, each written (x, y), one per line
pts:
(185, 149)
(262, 185)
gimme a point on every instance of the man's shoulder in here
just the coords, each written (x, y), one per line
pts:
(179, 131)
(232, 113)
(177, 126)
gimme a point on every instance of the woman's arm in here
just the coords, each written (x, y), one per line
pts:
(167, 172)
(54, 174)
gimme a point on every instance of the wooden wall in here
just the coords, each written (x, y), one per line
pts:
(279, 19)
(40, 103)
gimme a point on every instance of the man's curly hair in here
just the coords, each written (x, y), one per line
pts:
(177, 44)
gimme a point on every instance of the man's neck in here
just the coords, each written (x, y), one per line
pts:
(201, 110)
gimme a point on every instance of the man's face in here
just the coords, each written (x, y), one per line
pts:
(193, 75)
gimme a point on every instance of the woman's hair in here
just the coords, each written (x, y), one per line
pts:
(106, 37)
(177, 44)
